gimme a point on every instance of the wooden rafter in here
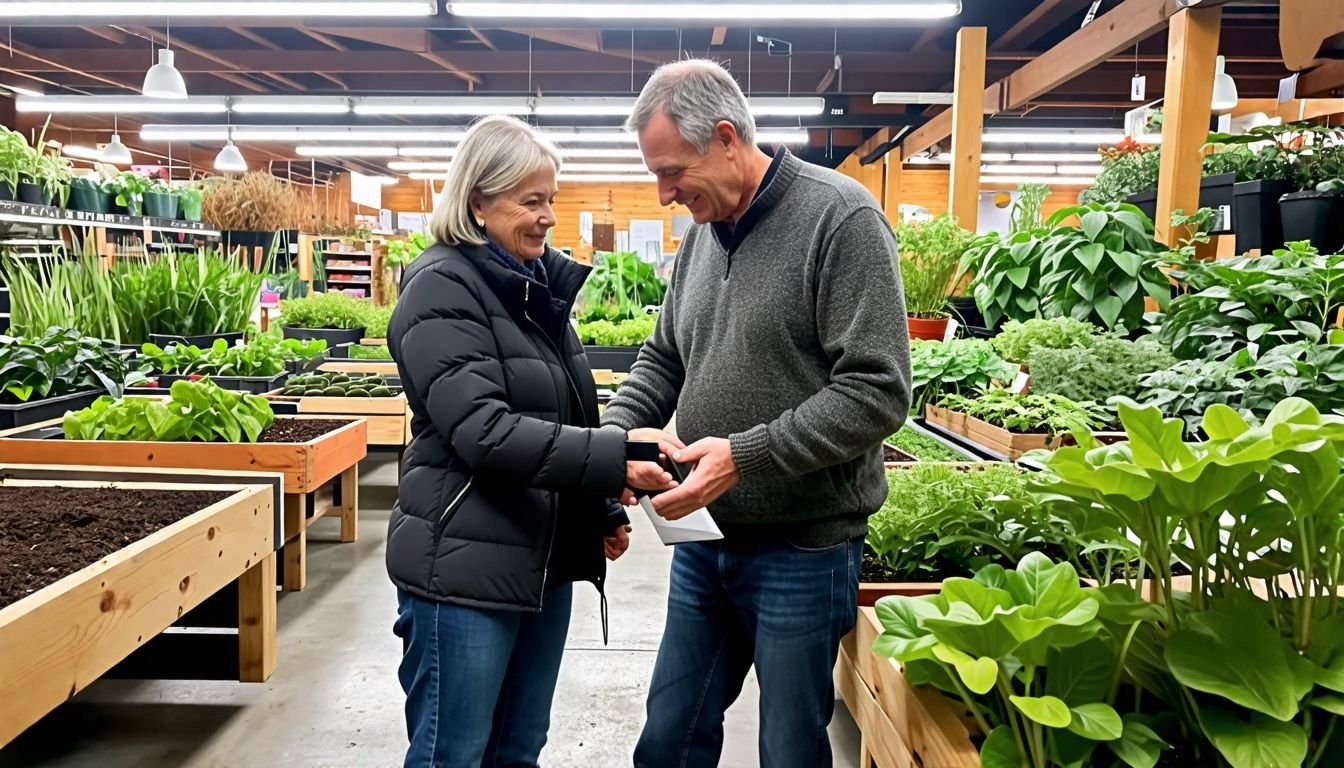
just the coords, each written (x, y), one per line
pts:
(18, 50)
(344, 86)
(256, 38)
(484, 38)
(323, 39)
(718, 37)
(1327, 78)
(928, 38)
(1044, 17)
(109, 34)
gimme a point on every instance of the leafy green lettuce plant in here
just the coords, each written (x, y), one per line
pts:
(1018, 339)
(325, 310)
(1108, 367)
(620, 286)
(961, 366)
(1030, 414)
(923, 447)
(263, 355)
(1257, 679)
(196, 411)
(624, 333)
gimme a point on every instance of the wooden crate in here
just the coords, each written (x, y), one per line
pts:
(900, 725)
(996, 439)
(58, 640)
(329, 464)
(385, 367)
(388, 418)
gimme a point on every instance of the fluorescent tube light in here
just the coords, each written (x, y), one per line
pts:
(1040, 157)
(1065, 181)
(22, 91)
(607, 178)
(302, 133)
(448, 105)
(424, 176)
(911, 97)
(427, 152)
(411, 165)
(81, 152)
(1089, 138)
(579, 106)
(124, 105)
(786, 106)
(689, 11)
(1031, 170)
(160, 8)
(337, 150)
(604, 168)
(290, 105)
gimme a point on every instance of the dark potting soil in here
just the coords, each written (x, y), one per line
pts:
(893, 454)
(874, 572)
(47, 534)
(299, 430)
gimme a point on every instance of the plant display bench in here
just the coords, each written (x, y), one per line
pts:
(388, 418)
(900, 725)
(57, 640)
(321, 475)
(999, 442)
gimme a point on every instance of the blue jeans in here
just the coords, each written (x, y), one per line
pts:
(479, 683)
(732, 605)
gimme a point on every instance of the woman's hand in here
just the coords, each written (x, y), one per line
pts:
(648, 476)
(616, 544)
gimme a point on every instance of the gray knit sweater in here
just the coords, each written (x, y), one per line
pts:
(786, 335)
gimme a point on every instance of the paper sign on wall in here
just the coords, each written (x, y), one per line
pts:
(586, 227)
(366, 191)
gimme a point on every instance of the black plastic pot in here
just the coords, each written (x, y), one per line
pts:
(617, 359)
(160, 205)
(1214, 192)
(256, 385)
(90, 199)
(296, 367)
(132, 209)
(334, 336)
(23, 414)
(967, 311)
(33, 194)
(1256, 219)
(4, 299)
(6, 191)
(1317, 217)
(202, 341)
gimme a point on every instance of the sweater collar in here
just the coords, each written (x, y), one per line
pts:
(777, 180)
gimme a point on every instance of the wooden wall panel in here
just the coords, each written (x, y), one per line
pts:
(929, 188)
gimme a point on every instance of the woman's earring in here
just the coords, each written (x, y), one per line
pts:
(480, 222)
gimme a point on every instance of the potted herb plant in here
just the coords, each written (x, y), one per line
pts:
(88, 195)
(930, 253)
(128, 189)
(1280, 161)
(15, 158)
(1316, 216)
(160, 201)
(52, 174)
(335, 317)
(191, 198)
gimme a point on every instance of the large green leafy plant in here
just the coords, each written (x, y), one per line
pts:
(1007, 271)
(930, 253)
(196, 411)
(1033, 656)
(263, 355)
(1250, 302)
(1029, 414)
(50, 290)
(620, 287)
(924, 447)
(1255, 677)
(961, 366)
(61, 362)
(1303, 154)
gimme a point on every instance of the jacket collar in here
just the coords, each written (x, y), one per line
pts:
(565, 276)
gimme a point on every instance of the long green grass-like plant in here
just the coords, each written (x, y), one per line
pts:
(49, 290)
(184, 294)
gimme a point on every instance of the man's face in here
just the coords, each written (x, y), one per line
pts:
(706, 184)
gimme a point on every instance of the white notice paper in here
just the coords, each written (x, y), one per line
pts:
(697, 526)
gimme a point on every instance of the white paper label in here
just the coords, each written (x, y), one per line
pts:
(1138, 88)
(1021, 383)
(951, 332)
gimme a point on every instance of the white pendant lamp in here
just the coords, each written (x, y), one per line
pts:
(163, 81)
(230, 159)
(1224, 88)
(115, 153)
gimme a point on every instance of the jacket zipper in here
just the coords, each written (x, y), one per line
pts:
(452, 505)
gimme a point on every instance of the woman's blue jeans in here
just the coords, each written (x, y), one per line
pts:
(479, 683)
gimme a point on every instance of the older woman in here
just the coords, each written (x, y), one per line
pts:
(507, 488)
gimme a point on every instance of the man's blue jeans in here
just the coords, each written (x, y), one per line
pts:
(732, 605)
(479, 683)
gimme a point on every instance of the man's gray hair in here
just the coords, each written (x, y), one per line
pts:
(497, 153)
(696, 95)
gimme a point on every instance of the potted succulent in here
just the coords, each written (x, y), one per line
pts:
(160, 201)
(88, 195)
(930, 254)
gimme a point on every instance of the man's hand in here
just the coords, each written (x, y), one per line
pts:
(616, 544)
(648, 476)
(667, 443)
(714, 474)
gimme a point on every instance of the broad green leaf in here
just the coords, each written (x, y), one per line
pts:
(1138, 746)
(1129, 262)
(1000, 750)
(1096, 721)
(979, 675)
(1093, 223)
(1223, 423)
(1332, 704)
(1090, 256)
(1052, 588)
(1080, 674)
(1230, 652)
(1019, 276)
(1108, 308)
(1027, 303)
(1046, 710)
(1154, 441)
(1260, 742)
(983, 600)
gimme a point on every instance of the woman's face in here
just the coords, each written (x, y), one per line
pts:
(517, 219)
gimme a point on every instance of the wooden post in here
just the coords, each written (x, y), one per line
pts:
(1192, 52)
(891, 199)
(968, 123)
(256, 621)
(349, 508)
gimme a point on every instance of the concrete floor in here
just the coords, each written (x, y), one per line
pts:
(334, 700)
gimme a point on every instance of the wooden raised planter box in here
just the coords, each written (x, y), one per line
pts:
(388, 418)
(321, 475)
(58, 640)
(385, 367)
(999, 440)
(900, 725)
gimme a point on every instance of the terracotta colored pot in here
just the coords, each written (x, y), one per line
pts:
(927, 328)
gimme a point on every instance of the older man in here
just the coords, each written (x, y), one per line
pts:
(782, 348)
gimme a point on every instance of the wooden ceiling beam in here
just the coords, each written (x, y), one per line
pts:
(256, 38)
(589, 40)
(716, 39)
(344, 86)
(927, 38)
(323, 39)
(1321, 81)
(1305, 26)
(484, 38)
(403, 39)
(1044, 17)
(114, 36)
(17, 50)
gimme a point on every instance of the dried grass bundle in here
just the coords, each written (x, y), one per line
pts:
(254, 202)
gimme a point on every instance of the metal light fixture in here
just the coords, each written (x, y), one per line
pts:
(163, 81)
(873, 10)
(230, 158)
(1224, 88)
(160, 8)
(115, 153)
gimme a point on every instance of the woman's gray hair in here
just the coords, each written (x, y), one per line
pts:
(696, 95)
(497, 153)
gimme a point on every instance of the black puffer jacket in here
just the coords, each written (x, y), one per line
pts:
(506, 486)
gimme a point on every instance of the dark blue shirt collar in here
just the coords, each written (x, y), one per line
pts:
(532, 269)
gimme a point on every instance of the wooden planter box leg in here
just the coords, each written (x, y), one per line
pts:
(296, 542)
(349, 506)
(257, 622)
